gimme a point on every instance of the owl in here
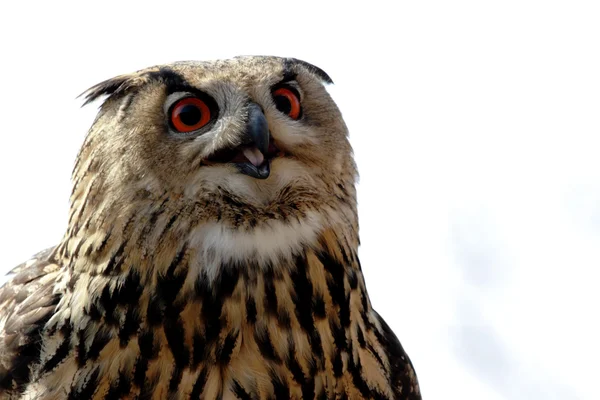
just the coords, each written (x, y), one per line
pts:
(211, 250)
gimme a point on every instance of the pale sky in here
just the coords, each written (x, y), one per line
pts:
(475, 126)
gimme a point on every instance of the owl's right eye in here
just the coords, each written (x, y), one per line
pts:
(189, 114)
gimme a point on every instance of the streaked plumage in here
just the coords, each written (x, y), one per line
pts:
(185, 275)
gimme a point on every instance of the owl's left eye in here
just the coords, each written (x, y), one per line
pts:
(287, 101)
(189, 114)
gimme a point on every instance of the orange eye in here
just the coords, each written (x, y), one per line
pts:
(287, 101)
(189, 114)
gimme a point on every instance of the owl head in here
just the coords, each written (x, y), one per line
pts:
(244, 143)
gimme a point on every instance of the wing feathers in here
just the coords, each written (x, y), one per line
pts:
(27, 301)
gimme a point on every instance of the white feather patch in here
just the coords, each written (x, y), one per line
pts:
(266, 244)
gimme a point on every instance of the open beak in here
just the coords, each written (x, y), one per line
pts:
(254, 155)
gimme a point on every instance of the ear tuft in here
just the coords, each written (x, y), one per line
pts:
(111, 87)
(313, 69)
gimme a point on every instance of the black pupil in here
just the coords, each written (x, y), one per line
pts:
(283, 104)
(190, 115)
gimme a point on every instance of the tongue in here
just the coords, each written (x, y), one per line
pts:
(254, 155)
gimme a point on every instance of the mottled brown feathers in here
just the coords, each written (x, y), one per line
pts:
(121, 84)
(178, 279)
(26, 304)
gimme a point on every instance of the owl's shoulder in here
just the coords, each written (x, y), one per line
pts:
(402, 373)
(27, 300)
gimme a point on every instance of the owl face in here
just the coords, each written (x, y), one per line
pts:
(259, 130)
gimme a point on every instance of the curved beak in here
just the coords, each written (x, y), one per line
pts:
(257, 128)
(256, 144)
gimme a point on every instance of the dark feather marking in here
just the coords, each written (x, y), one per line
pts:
(62, 351)
(233, 200)
(335, 284)
(360, 336)
(109, 306)
(319, 306)
(81, 352)
(308, 389)
(175, 333)
(211, 309)
(130, 222)
(169, 224)
(149, 388)
(148, 347)
(155, 311)
(339, 335)
(338, 365)
(352, 279)
(199, 344)
(101, 339)
(224, 351)
(86, 200)
(116, 261)
(363, 312)
(130, 325)
(250, 310)
(355, 370)
(377, 357)
(152, 221)
(168, 285)
(141, 366)
(119, 388)
(87, 388)
(102, 245)
(302, 298)
(240, 392)
(270, 299)
(129, 292)
(280, 389)
(199, 385)
(344, 254)
(307, 384)
(75, 211)
(175, 379)
(78, 247)
(73, 279)
(357, 379)
(263, 340)
(284, 320)
(213, 296)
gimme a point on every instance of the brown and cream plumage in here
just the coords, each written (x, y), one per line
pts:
(211, 250)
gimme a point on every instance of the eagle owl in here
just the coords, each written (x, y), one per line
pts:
(210, 253)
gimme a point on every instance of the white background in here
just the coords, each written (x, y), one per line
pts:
(475, 126)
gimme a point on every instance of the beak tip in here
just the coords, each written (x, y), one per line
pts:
(259, 172)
